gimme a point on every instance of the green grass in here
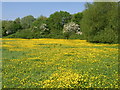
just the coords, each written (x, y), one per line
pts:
(55, 63)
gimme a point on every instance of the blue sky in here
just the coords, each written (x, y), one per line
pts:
(12, 10)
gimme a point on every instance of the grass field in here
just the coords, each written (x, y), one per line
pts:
(58, 63)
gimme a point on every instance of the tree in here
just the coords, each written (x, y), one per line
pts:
(17, 25)
(27, 21)
(0, 28)
(17, 20)
(38, 22)
(44, 29)
(57, 20)
(77, 17)
(100, 18)
(70, 28)
(4, 23)
(10, 27)
(7, 26)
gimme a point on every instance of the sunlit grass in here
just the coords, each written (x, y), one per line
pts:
(59, 63)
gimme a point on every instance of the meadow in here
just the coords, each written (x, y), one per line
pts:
(58, 63)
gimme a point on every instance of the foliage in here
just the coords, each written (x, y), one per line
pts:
(38, 22)
(70, 28)
(106, 35)
(29, 34)
(9, 27)
(25, 33)
(76, 36)
(44, 29)
(97, 23)
(0, 28)
(27, 21)
(99, 19)
(56, 21)
(17, 20)
(77, 17)
(5, 26)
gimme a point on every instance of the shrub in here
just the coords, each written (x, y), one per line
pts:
(44, 29)
(70, 28)
(106, 36)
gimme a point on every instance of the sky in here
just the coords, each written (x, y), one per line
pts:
(49, 0)
(12, 10)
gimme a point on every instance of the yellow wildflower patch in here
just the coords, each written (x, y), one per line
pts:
(59, 63)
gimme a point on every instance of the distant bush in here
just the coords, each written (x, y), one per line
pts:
(70, 28)
(76, 36)
(25, 33)
(44, 29)
(107, 35)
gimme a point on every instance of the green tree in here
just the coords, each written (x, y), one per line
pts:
(27, 21)
(77, 17)
(17, 20)
(44, 29)
(100, 18)
(4, 23)
(70, 28)
(10, 27)
(0, 28)
(57, 20)
(38, 22)
(17, 25)
(7, 26)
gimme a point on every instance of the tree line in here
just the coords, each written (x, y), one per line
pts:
(97, 23)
